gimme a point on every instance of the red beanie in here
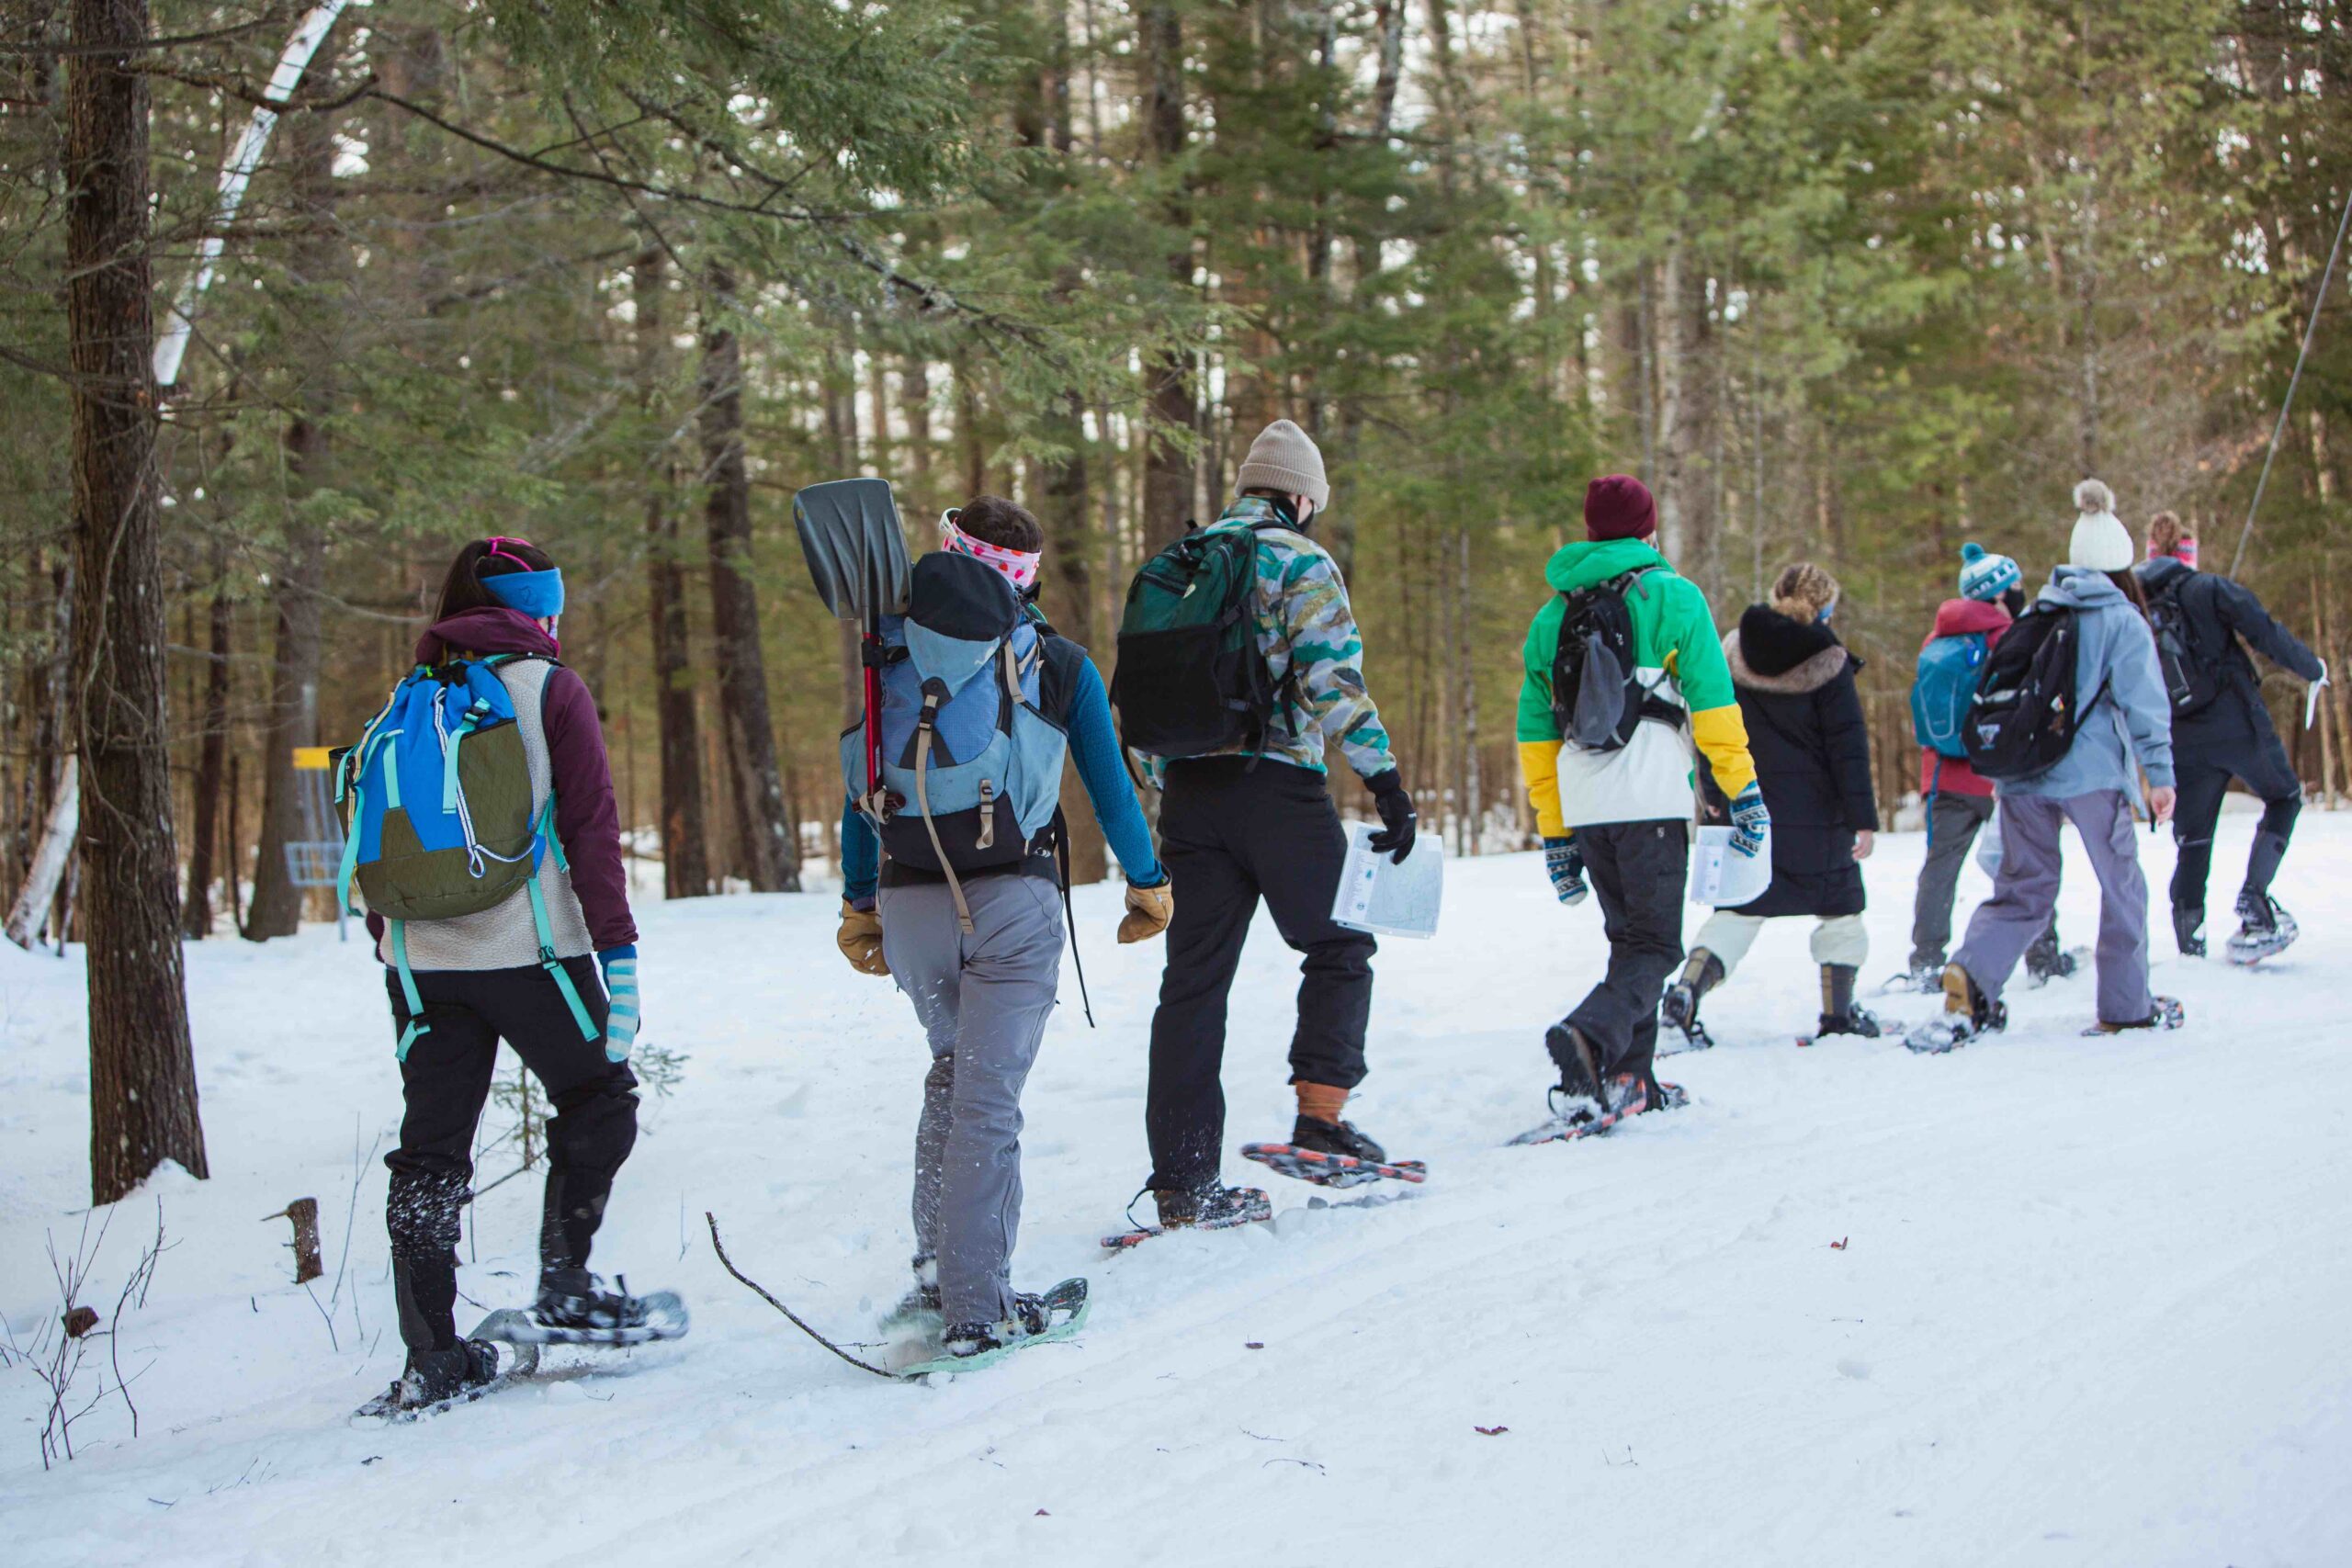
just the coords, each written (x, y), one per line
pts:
(1619, 507)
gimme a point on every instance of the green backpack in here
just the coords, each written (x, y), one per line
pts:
(1191, 679)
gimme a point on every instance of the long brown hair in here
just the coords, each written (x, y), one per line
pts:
(2129, 581)
(495, 557)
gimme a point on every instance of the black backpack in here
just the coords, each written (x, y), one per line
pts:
(2024, 716)
(1596, 693)
(1190, 678)
(2189, 679)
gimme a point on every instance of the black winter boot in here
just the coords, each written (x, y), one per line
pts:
(1578, 1098)
(1840, 1014)
(432, 1376)
(1336, 1138)
(2188, 931)
(1701, 973)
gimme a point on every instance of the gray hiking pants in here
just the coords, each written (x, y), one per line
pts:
(2026, 892)
(1954, 822)
(983, 1000)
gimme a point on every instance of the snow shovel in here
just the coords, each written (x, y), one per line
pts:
(857, 557)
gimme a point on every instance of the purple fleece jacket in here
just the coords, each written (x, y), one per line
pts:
(586, 819)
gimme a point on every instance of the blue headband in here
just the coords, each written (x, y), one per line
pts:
(539, 594)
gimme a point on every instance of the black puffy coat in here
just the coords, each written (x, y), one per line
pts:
(2219, 613)
(1795, 685)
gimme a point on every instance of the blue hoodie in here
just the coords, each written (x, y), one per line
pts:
(2132, 718)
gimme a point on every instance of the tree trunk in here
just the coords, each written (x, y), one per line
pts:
(212, 756)
(771, 857)
(686, 844)
(299, 582)
(143, 1068)
(1167, 467)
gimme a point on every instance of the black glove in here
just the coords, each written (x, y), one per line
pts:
(1397, 815)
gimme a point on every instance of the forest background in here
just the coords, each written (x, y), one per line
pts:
(1845, 281)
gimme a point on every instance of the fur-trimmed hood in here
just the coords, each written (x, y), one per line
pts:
(1769, 651)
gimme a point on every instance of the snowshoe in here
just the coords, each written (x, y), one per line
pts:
(2168, 1015)
(1625, 1096)
(1218, 1207)
(1331, 1154)
(2061, 966)
(1918, 980)
(2264, 930)
(1059, 1314)
(1967, 1015)
(436, 1380)
(574, 1308)
(920, 1305)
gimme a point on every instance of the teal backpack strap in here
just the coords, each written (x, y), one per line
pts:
(416, 1024)
(548, 960)
(350, 867)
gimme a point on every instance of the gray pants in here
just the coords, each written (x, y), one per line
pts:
(983, 1000)
(1954, 822)
(2026, 892)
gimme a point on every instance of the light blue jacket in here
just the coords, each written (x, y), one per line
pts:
(2116, 668)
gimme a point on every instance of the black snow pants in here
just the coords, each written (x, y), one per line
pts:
(444, 1083)
(1637, 869)
(1230, 834)
(2207, 752)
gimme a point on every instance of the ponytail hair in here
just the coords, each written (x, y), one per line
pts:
(462, 590)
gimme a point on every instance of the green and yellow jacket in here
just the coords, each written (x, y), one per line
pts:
(1678, 655)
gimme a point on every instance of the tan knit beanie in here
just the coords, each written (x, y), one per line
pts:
(1285, 458)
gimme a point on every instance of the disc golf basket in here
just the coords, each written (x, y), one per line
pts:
(315, 858)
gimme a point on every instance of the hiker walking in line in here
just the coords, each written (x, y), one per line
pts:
(2220, 730)
(2071, 709)
(486, 777)
(1625, 675)
(1811, 751)
(954, 894)
(1232, 719)
(1957, 799)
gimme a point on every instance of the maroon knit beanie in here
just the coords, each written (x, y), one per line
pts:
(1619, 507)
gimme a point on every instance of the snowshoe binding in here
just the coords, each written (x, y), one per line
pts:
(1919, 980)
(1680, 1007)
(1332, 1153)
(1624, 1097)
(2169, 1014)
(1968, 1015)
(1059, 1314)
(574, 1308)
(2264, 930)
(2064, 965)
(436, 1380)
(1213, 1209)
(1840, 1013)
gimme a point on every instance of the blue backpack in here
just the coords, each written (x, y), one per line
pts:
(971, 763)
(1942, 687)
(436, 802)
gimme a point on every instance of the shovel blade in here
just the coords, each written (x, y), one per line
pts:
(855, 550)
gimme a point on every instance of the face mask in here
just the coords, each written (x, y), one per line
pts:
(1827, 610)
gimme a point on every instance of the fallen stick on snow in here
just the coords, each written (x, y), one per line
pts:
(762, 1290)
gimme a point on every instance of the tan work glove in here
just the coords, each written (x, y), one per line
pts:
(1148, 910)
(859, 939)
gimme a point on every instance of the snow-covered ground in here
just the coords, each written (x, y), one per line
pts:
(2049, 1300)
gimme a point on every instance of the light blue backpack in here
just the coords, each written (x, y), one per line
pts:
(971, 764)
(1942, 687)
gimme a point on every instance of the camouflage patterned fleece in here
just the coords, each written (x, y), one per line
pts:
(1305, 626)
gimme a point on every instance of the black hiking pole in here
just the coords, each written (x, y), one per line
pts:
(857, 557)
